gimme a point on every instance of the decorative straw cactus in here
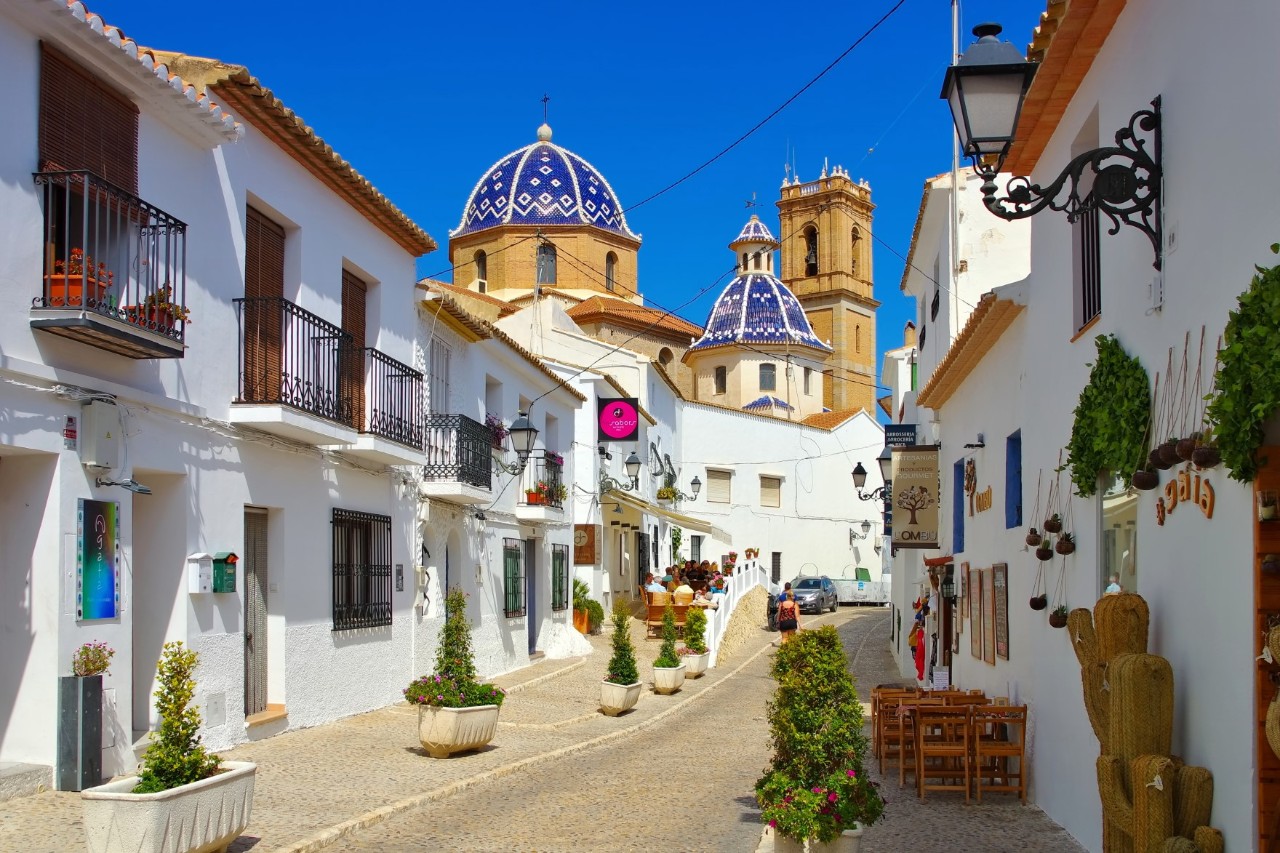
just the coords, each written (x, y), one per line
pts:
(1273, 710)
(1150, 801)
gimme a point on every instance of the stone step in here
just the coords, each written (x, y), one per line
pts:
(23, 780)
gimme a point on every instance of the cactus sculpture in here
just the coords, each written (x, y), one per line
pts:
(1151, 802)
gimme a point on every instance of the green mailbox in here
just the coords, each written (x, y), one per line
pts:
(224, 571)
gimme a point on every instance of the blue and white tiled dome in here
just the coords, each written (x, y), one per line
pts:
(543, 184)
(754, 231)
(757, 308)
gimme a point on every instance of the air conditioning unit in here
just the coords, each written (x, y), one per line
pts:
(100, 436)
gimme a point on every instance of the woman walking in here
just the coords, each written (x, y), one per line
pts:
(788, 616)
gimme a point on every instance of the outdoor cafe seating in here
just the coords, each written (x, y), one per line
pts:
(950, 740)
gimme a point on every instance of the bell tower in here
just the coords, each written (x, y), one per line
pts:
(826, 262)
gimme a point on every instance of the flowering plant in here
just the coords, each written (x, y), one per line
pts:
(92, 659)
(498, 429)
(453, 684)
(667, 493)
(818, 812)
(553, 457)
(162, 301)
(441, 692)
(81, 264)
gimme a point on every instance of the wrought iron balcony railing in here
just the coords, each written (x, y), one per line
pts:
(543, 482)
(458, 450)
(109, 253)
(291, 357)
(393, 396)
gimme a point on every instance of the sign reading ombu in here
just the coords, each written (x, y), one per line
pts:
(915, 497)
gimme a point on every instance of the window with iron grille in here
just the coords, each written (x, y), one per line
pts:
(1088, 270)
(361, 570)
(559, 577)
(695, 548)
(512, 578)
(775, 566)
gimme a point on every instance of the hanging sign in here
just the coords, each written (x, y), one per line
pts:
(914, 496)
(618, 419)
(585, 537)
(899, 435)
(97, 560)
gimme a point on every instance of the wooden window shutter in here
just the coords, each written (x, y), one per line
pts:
(84, 125)
(264, 310)
(351, 355)
(718, 482)
(770, 491)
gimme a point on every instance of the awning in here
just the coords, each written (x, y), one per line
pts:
(939, 561)
(679, 518)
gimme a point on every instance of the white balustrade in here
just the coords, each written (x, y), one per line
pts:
(746, 576)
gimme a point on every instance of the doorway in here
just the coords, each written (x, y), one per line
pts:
(255, 610)
(531, 591)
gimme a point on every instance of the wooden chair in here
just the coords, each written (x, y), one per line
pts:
(942, 749)
(685, 598)
(907, 752)
(879, 695)
(657, 605)
(888, 726)
(999, 735)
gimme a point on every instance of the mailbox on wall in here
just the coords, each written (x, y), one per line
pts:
(224, 571)
(200, 572)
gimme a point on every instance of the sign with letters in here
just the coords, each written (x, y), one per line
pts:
(98, 560)
(914, 497)
(618, 419)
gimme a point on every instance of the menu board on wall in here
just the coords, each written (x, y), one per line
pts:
(975, 615)
(967, 592)
(988, 617)
(1000, 584)
(585, 537)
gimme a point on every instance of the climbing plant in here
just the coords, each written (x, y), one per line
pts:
(1247, 385)
(1110, 425)
(676, 536)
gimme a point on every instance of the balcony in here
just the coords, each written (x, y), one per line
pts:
(390, 420)
(459, 460)
(114, 272)
(540, 497)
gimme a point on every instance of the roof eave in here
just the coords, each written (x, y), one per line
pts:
(996, 311)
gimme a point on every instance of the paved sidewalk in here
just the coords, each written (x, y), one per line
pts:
(315, 785)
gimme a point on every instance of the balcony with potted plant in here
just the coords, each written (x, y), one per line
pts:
(114, 271)
(544, 492)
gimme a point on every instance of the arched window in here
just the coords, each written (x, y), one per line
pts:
(665, 356)
(546, 264)
(768, 377)
(857, 339)
(722, 380)
(481, 261)
(757, 260)
(610, 270)
(810, 237)
(857, 247)
(745, 262)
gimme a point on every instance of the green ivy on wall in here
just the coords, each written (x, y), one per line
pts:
(676, 536)
(1110, 428)
(1247, 386)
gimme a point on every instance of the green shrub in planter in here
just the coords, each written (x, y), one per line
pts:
(622, 666)
(667, 657)
(695, 630)
(595, 615)
(176, 756)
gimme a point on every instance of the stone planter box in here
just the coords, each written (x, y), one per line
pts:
(849, 841)
(696, 665)
(667, 680)
(203, 817)
(444, 731)
(617, 698)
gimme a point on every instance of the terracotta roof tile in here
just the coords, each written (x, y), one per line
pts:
(829, 420)
(633, 316)
(985, 326)
(255, 102)
(504, 308)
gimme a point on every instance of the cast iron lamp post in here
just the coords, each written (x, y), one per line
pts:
(885, 460)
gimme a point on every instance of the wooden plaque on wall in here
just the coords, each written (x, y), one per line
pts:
(1000, 586)
(585, 537)
(975, 615)
(988, 617)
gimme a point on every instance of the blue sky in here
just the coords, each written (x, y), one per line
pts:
(423, 98)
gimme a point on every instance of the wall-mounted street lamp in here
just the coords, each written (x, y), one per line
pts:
(854, 536)
(523, 434)
(947, 587)
(986, 90)
(885, 460)
(632, 466)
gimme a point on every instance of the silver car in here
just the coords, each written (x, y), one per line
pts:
(815, 595)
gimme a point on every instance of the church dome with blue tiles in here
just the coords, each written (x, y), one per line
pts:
(756, 307)
(543, 184)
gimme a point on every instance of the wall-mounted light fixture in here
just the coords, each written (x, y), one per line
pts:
(854, 536)
(130, 484)
(885, 460)
(632, 466)
(986, 90)
(980, 443)
(947, 586)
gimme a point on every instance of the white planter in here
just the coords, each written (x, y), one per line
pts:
(444, 731)
(849, 841)
(668, 679)
(202, 817)
(696, 665)
(782, 844)
(616, 698)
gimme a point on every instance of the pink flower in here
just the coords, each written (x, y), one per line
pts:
(817, 790)
(831, 798)
(773, 824)
(851, 774)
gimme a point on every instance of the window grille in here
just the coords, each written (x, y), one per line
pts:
(695, 548)
(718, 483)
(936, 304)
(361, 570)
(775, 566)
(1090, 266)
(512, 578)
(559, 577)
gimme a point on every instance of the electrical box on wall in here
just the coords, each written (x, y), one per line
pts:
(100, 436)
(199, 572)
(224, 571)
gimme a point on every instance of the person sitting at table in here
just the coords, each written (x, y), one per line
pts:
(652, 585)
(683, 587)
(667, 577)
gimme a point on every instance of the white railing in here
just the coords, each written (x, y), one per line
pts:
(746, 576)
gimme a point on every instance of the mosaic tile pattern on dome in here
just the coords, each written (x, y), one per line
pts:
(755, 231)
(758, 308)
(543, 184)
(769, 402)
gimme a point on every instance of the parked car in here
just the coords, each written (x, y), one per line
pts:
(815, 595)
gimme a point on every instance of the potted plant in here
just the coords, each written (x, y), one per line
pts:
(666, 494)
(456, 713)
(1058, 618)
(1033, 537)
(1266, 505)
(80, 707)
(159, 311)
(668, 671)
(620, 689)
(179, 784)
(581, 597)
(498, 432)
(1066, 544)
(1206, 454)
(1039, 602)
(1187, 446)
(815, 789)
(1044, 552)
(78, 281)
(595, 616)
(560, 491)
(694, 653)
(1053, 524)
